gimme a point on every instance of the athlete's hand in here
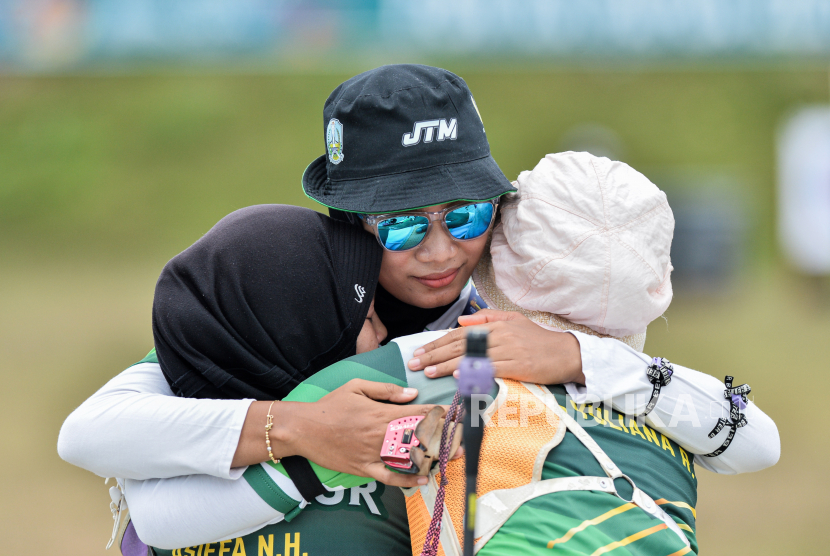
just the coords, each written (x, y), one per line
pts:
(344, 430)
(519, 349)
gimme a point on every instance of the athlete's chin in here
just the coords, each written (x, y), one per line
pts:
(429, 298)
(438, 301)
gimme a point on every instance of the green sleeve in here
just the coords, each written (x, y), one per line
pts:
(380, 365)
(149, 358)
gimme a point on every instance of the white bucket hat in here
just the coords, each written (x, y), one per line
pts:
(584, 244)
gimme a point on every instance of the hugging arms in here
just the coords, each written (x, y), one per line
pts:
(424, 286)
(134, 421)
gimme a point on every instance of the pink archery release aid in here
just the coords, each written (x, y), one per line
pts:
(399, 441)
(412, 444)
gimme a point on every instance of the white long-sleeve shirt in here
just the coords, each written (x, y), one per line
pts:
(687, 409)
(136, 429)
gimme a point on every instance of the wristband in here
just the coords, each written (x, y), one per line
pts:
(737, 401)
(269, 422)
(659, 375)
(298, 468)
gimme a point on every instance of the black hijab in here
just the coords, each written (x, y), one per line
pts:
(399, 317)
(268, 297)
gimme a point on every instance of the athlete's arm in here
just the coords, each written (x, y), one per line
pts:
(185, 511)
(610, 370)
(196, 509)
(134, 427)
(311, 424)
(687, 409)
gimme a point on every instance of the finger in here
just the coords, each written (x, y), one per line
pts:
(509, 369)
(393, 412)
(380, 472)
(443, 369)
(446, 353)
(440, 355)
(487, 315)
(453, 336)
(458, 453)
(498, 351)
(505, 364)
(501, 369)
(382, 391)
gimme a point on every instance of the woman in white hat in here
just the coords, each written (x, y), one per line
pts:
(584, 246)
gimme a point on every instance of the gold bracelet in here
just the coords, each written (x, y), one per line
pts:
(268, 424)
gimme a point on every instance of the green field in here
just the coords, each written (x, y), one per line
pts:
(104, 178)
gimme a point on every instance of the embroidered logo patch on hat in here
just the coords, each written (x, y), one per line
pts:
(415, 141)
(334, 141)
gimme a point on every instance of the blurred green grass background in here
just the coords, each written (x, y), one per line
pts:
(104, 178)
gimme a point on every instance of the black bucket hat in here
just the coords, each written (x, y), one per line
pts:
(402, 137)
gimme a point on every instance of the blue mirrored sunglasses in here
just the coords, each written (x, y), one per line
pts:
(406, 230)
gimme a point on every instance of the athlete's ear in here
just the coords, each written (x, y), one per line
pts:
(372, 333)
(377, 324)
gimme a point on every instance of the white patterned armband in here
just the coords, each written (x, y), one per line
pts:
(659, 375)
(737, 401)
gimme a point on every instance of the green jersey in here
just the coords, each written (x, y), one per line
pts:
(587, 522)
(572, 522)
(576, 522)
(367, 519)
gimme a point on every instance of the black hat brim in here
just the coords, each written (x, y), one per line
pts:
(475, 180)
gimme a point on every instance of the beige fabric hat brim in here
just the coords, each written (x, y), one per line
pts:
(485, 282)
